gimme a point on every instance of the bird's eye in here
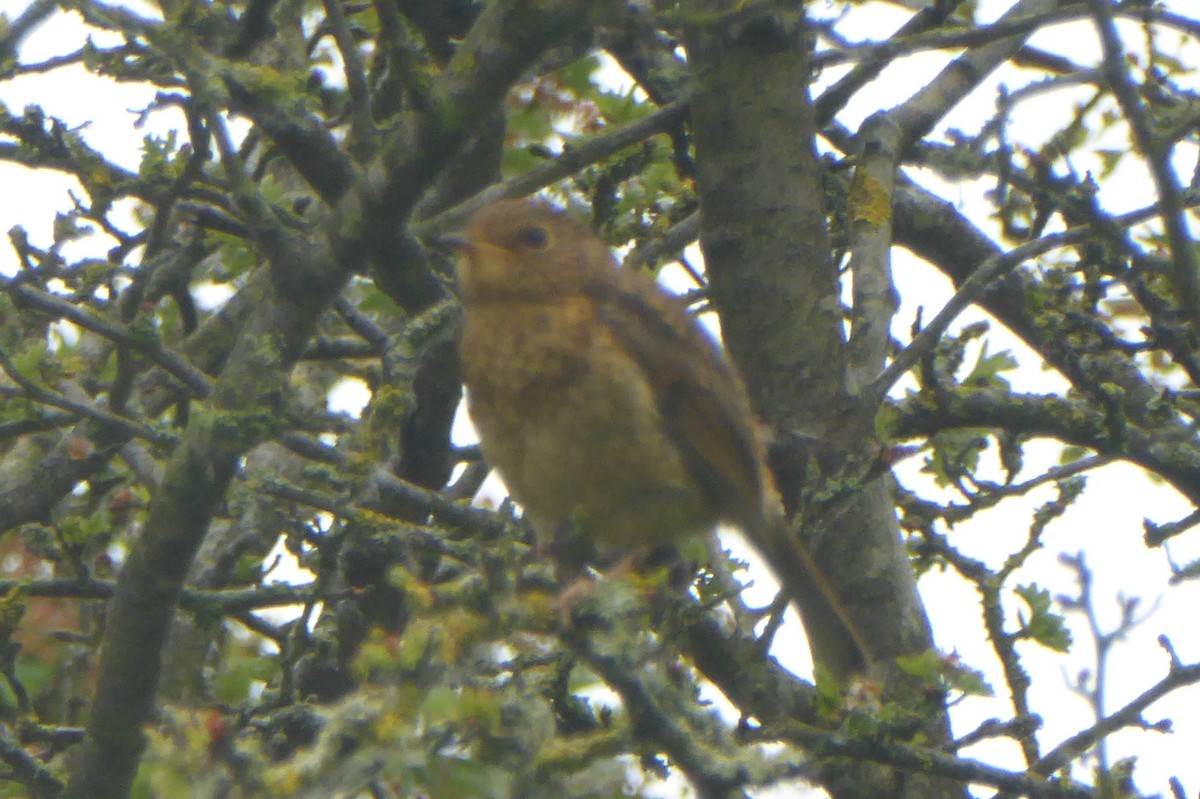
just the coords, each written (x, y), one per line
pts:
(534, 237)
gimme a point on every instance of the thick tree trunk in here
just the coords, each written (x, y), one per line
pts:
(773, 281)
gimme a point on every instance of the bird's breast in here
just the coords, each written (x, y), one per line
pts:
(527, 353)
(572, 423)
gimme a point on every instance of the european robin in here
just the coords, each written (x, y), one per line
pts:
(603, 404)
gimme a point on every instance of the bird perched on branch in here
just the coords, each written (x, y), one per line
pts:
(603, 404)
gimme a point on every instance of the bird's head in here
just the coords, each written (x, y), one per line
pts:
(516, 249)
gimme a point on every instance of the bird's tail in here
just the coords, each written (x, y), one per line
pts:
(836, 641)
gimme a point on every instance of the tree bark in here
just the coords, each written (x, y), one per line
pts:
(767, 255)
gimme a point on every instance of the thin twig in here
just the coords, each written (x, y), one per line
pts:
(1158, 156)
(971, 290)
(34, 393)
(196, 381)
(1128, 716)
(570, 162)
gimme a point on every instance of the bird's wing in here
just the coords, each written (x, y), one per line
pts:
(703, 406)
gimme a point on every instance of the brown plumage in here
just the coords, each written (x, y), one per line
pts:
(602, 403)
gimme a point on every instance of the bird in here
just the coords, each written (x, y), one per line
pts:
(605, 406)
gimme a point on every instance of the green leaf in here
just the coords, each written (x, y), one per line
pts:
(829, 692)
(955, 453)
(1071, 454)
(1042, 625)
(28, 360)
(578, 75)
(945, 671)
(243, 667)
(986, 371)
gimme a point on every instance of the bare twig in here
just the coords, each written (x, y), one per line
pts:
(1158, 156)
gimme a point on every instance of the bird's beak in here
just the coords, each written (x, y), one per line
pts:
(451, 241)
